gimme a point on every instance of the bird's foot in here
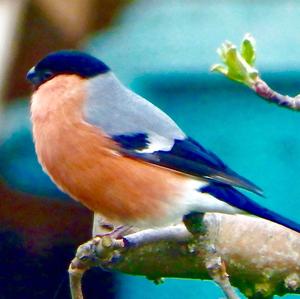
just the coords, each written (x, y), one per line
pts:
(194, 223)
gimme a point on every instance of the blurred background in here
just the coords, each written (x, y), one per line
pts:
(162, 50)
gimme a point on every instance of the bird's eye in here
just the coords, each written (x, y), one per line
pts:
(47, 75)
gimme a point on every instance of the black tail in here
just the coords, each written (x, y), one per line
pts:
(235, 198)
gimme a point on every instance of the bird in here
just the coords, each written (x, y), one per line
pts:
(121, 156)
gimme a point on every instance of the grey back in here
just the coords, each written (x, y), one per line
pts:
(117, 110)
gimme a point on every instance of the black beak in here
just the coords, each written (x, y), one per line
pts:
(33, 77)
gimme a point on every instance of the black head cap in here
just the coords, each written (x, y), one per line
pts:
(66, 62)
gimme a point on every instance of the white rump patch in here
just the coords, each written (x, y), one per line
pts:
(196, 201)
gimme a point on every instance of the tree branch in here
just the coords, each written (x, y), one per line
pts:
(261, 257)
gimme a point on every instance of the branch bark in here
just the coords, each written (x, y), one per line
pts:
(261, 257)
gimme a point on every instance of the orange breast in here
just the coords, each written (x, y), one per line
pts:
(83, 162)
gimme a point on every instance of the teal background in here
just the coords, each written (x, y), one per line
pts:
(164, 49)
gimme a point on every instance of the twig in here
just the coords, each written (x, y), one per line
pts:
(217, 271)
(266, 92)
(79, 265)
(75, 277)
(239, 66)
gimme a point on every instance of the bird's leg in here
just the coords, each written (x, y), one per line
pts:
(118, 232)
(205, 231)
(106, 229)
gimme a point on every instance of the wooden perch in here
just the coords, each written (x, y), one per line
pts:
(261, 257)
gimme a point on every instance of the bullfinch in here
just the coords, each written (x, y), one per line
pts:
(120, 155)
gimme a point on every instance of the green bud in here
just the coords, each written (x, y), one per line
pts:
(248, 49)
(238, 66)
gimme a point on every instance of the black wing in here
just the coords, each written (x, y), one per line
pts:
(186, 156)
